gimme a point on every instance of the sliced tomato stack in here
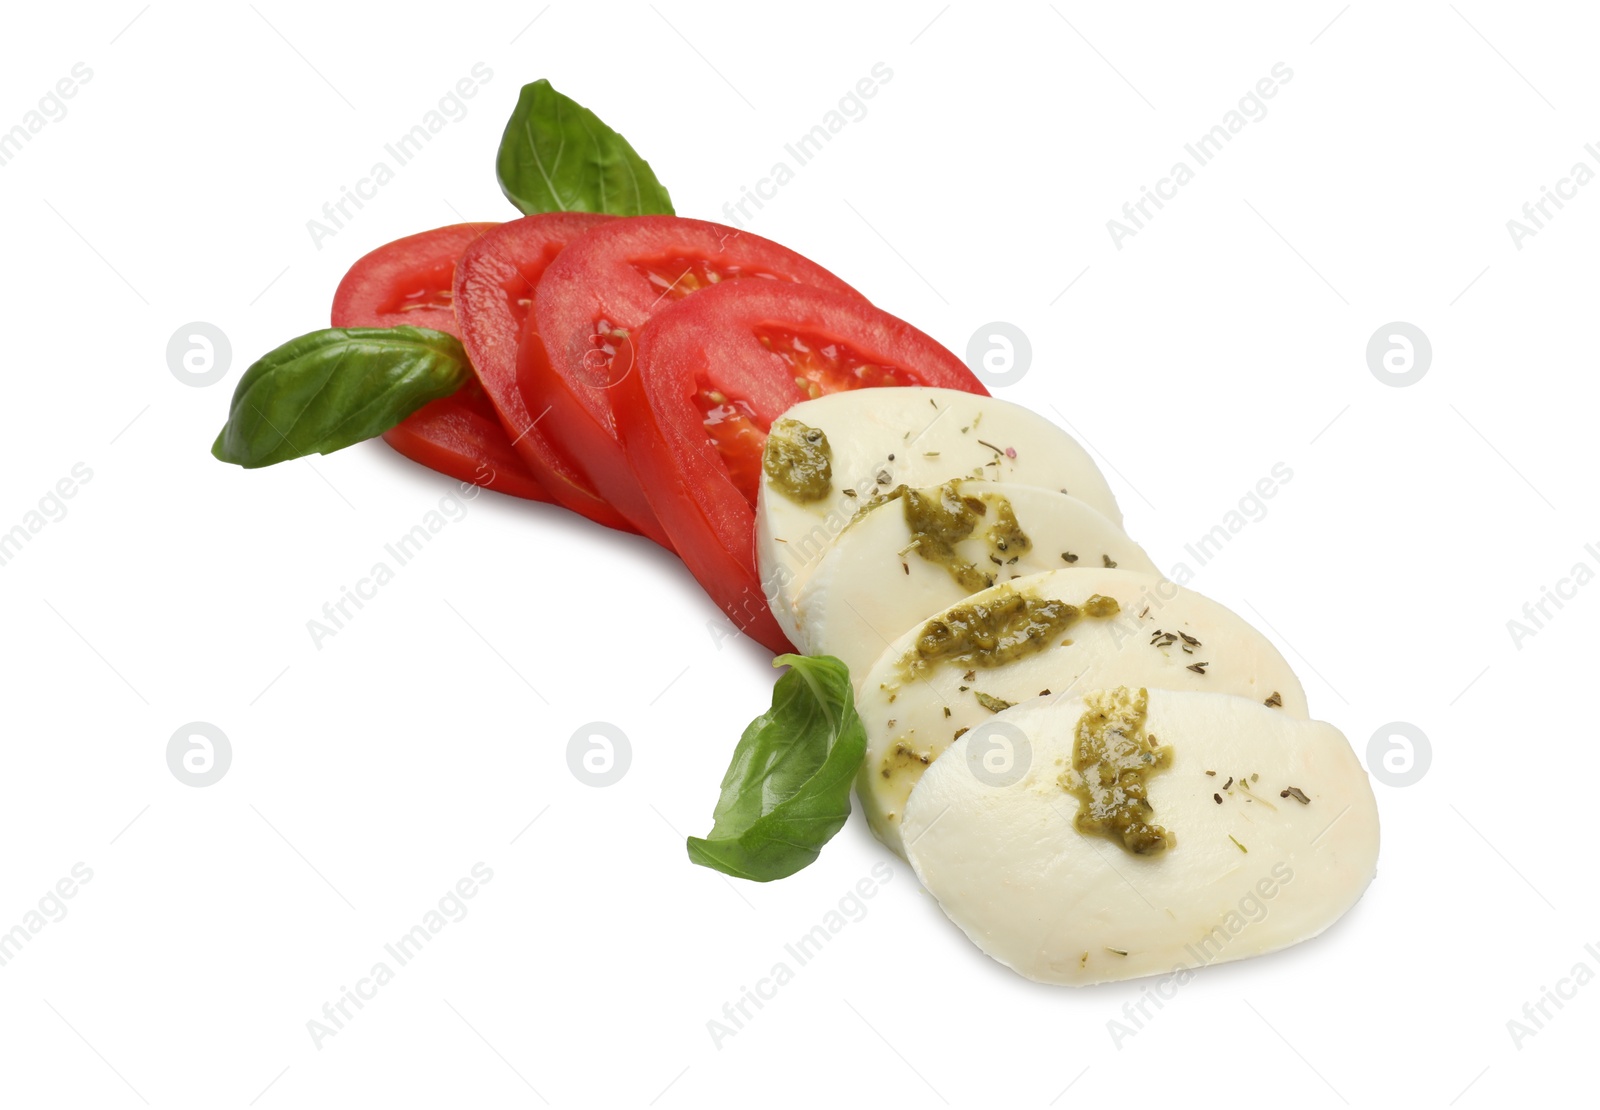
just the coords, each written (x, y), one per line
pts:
(411, 281)
(630, 368)
(494, 288)
(606, 285)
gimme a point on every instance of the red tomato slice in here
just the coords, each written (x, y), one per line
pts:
(460, 436)
(411, 281)
(494, 287)
(709, 377)
(610, 280)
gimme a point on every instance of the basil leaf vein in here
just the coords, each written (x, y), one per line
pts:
(787, 789)
(328, 389)
(601, 171)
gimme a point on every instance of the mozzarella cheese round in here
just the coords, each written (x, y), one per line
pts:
(1251, 868)
(911, 717)
(915, 436)
(872, 584)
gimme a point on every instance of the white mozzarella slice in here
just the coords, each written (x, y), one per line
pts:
(999, 846)
(872, 583)
(913, 716)
(915, 436)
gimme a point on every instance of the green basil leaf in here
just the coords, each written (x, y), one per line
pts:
(787, 790)
(332, 388)
(557, 156)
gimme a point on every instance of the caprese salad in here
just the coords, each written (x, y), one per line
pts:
(1093, 769)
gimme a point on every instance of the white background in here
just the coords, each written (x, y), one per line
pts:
(370, 775)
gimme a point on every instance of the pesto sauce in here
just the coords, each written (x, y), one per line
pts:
(1099, 605)
(940, 518)
(1006, 536)
(1112, 761)
(799, 461)
(903, 755)
(903, 761)
(991, 632)
(878, 499)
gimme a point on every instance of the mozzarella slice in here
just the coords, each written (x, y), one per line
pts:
(999, 848)
(912, 717)
(914, 436)
(873, 583)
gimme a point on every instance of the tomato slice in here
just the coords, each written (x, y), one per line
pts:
(461, 436)
(612, 280)
(493, 293)
(412, 281)
(710, 375)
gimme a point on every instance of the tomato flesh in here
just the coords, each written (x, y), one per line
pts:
(738, 434)
(677, 276)
(493, 297)
(818, 365)
(460, 436)
(436, 294)
(411, 282)
(603, 288)
(710, 375)
(407, 282)
(824, 365)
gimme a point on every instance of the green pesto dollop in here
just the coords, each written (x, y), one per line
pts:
(1006, 536)
(1112, 761)
(798, 461)
(940, 518)
(988, 633)
(1099, 605)
(877, 500)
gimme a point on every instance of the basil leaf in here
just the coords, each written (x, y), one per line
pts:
(332, 388)
(787, 790)
(557, 156)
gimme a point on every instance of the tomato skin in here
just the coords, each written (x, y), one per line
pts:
(463, 438)
(713, 338)
(493, 293)
(598, 278)
(410, 282)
